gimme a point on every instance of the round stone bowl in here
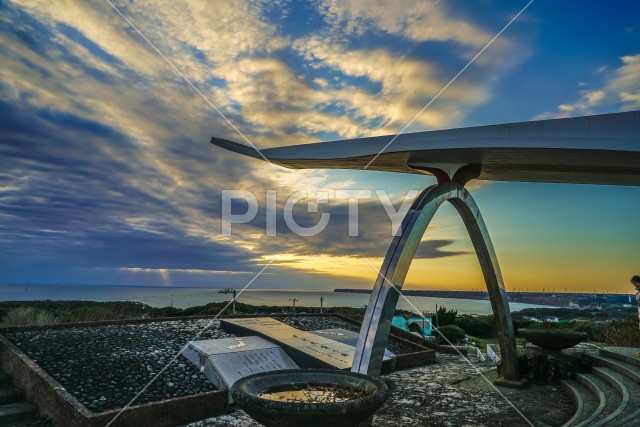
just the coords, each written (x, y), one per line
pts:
(371, 393)
(552, 339)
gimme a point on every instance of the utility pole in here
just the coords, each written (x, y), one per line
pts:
(321, 301)
(294, 303)
(230, 291)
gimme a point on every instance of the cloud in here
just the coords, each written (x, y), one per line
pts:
(406, 86)
(289, 108)
(179, 270)
(414, 20)
(107, 161)
(334, 242)
(97, 23)
(432, 23)
(619, 92)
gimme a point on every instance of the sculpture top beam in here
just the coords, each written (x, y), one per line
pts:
(601, 149)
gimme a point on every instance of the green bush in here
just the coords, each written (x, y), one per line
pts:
(623, 333)
(28, 316)
(70, 311)
(478, 326)
(595, 331)
(445, 317)
(454, 334)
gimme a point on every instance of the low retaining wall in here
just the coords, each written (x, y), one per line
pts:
(65, 410)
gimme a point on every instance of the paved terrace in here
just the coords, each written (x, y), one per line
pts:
(450, 392)
(104, 366)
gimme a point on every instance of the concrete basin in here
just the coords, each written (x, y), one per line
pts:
(310, 397)
(552, 339)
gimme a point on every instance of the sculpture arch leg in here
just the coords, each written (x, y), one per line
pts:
(376, 325)
(481, 241)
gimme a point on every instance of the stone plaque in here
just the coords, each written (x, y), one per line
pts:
(225, 361)
(308, 350)
(345, 336)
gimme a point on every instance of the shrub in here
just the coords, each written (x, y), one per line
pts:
(446, 317)
(478, 326)
(595, 331)
(453, 333)
(623, 333)
(27, 316)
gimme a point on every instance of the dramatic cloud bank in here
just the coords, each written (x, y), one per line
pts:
(106, 168)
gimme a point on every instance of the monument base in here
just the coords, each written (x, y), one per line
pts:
(225, 361)
(307, 349)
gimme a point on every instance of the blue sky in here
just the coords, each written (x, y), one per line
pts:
(107, 176)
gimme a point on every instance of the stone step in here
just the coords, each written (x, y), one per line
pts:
(632, 412)
(586, 401)
(612, 398)
(627, 369)
(11, 413)
(619, 384)
(10, 394)
(629, 423)
(625, 354)
(593, 386)
(571, 387)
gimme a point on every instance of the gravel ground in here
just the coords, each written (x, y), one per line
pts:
(450, 392)
(105, 366)
(312, 323)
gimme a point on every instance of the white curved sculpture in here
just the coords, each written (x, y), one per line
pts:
(375, 328)
(602, 149)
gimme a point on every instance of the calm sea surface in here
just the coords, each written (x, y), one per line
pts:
(187, 297)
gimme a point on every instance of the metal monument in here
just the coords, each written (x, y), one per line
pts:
(601, 149)
(307, 349)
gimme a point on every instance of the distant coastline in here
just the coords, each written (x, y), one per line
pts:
(465, 302)
(569, 300)
(427, 293)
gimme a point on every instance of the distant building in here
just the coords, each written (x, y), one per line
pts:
(421, 325)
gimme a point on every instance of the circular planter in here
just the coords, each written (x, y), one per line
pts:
(552, 339)
(368, 395)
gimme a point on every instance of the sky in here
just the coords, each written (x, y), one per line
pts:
(107, 176)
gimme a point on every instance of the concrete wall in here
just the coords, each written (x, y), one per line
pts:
(64, 410)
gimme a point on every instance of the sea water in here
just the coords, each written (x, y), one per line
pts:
(184, 297)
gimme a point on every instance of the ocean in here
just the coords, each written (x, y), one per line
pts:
(183, 297)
